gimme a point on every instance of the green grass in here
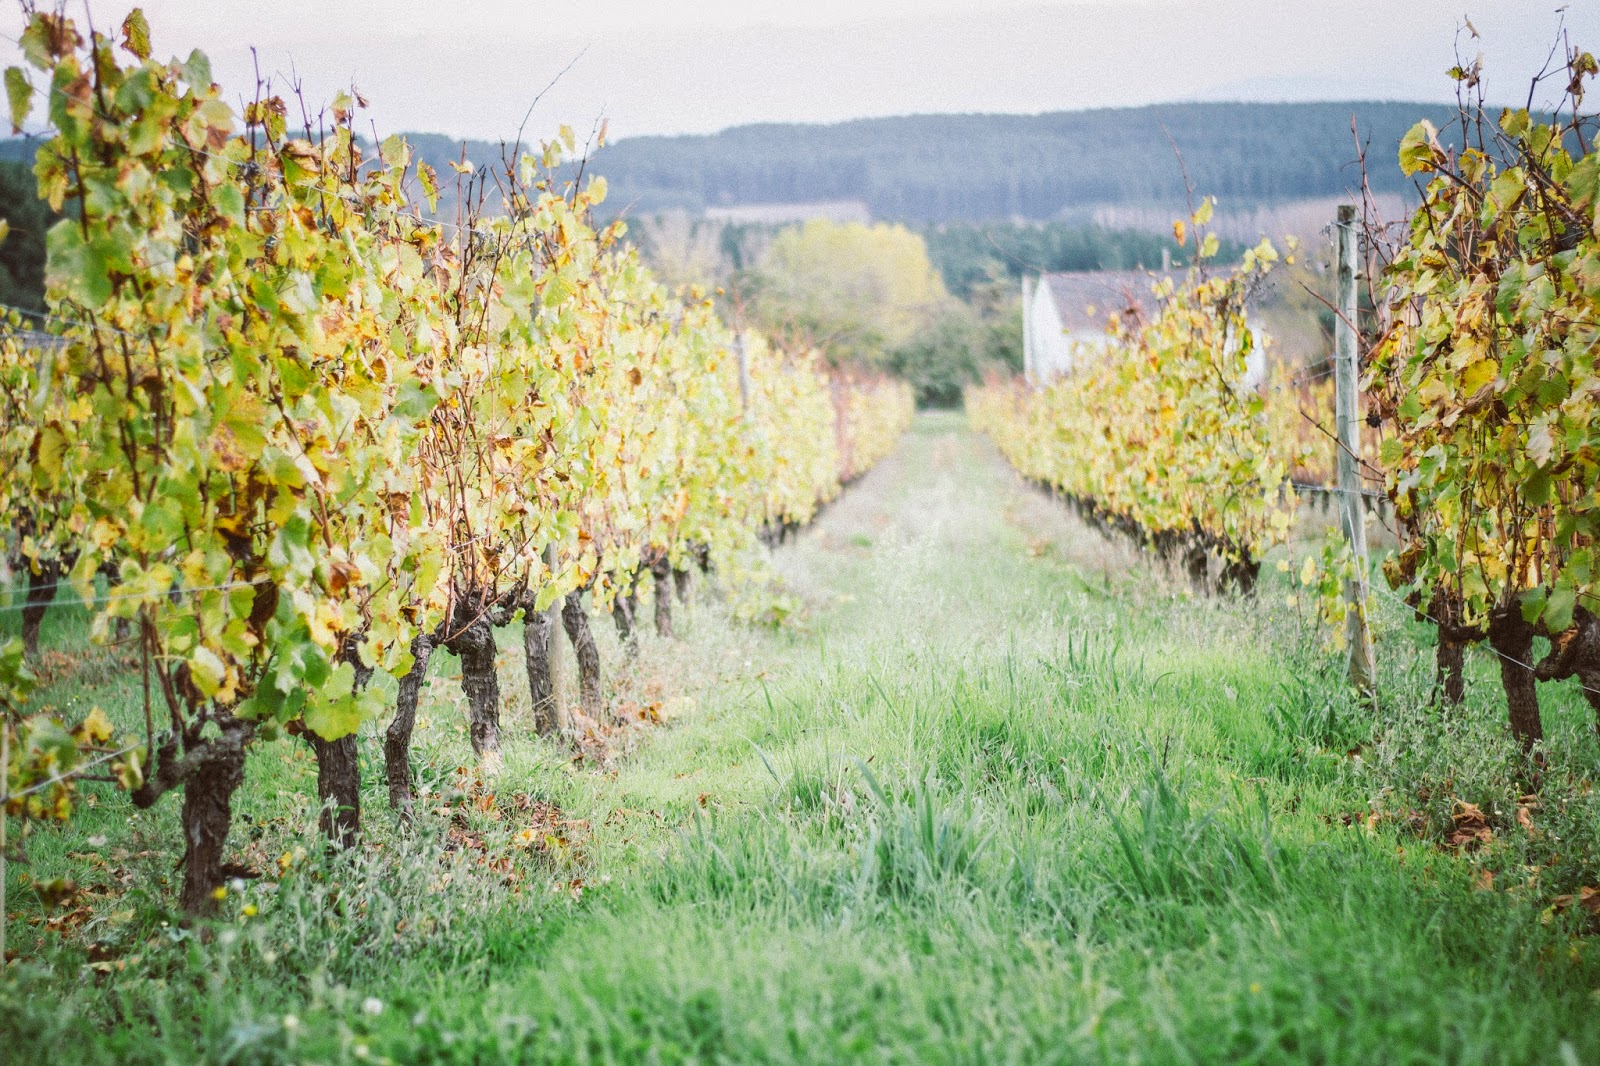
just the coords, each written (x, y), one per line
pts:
(1007, 796)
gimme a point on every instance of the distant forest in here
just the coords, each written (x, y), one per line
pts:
(969, 254)
(975, 168)
(935, 169)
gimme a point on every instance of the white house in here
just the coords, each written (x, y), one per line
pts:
(1064, 317)
(1061, 312)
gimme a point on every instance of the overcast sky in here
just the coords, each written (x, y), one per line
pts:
(471, 68)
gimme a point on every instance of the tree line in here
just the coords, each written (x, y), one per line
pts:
(974, 168)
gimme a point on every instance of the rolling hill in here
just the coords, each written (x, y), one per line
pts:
(933, 169)
(948, 168)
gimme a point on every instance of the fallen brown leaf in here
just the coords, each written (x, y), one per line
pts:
(1587, 897)
(1471, 827)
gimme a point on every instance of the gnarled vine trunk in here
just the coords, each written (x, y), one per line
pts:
(576, 621)
(1449, 665)
(41, 593)
(681, 582)
(1197, 565)
(1450, 656)
(661, 571)
(338, 788)
(397, 739)
(1576, 653)
(339, 769)
(209, 772)
(207, 815)
(1241, 574)
(622, 615)
(1512, 637)
(539, 650)
(475, 646)
(625, 613)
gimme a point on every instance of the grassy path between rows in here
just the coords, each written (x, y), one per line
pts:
(1006, 797)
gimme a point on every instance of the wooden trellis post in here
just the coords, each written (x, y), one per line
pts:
(5, 778)
(744, 372)
(1347, 427)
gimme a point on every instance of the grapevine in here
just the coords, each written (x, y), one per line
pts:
(1484, 374)
(310, 435)
(1157, 436)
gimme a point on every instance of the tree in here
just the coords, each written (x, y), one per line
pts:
(22, 252)
(945, 356)
(962, 341)
(856, 291)
(998, 303)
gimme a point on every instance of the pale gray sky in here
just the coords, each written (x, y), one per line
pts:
(470, 68)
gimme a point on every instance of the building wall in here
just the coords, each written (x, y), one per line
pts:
(1050, 350)
(1027, 331)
